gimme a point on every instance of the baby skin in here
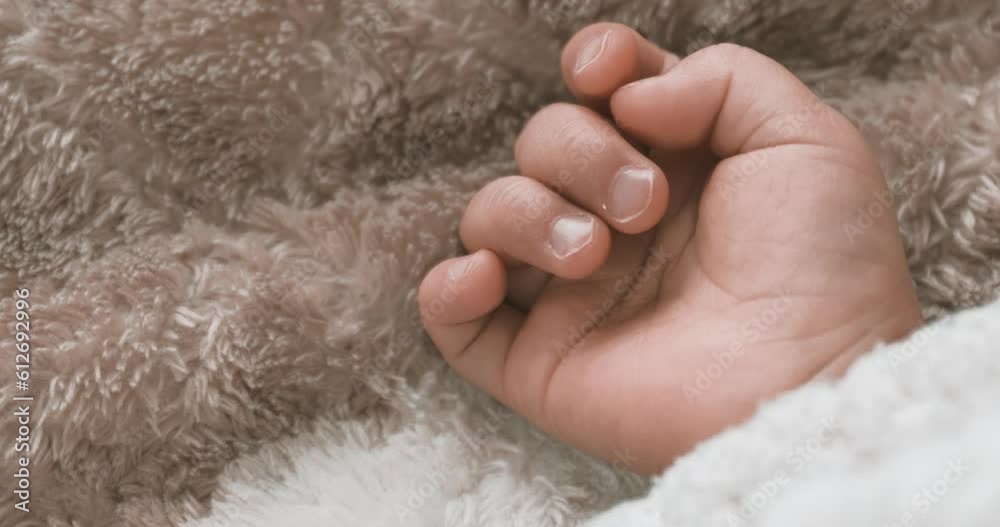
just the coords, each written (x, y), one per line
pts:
(679, 245)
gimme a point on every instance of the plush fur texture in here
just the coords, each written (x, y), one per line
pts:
(907, 438)
(222, 210)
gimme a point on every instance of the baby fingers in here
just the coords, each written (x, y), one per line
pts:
(525, 222)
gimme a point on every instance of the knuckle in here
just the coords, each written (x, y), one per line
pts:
(512, 194)
(556, 109)
(562, 126)
(515, 206)
(726, 54)
(550, 117)
(727, 50)
(533, 135)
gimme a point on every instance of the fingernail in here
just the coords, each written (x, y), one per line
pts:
(591, 52)
(630, 194)
(462, 266)
(570, 234)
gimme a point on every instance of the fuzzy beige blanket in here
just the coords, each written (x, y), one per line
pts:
(220, 211)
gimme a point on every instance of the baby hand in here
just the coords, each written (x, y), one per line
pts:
(679, 246)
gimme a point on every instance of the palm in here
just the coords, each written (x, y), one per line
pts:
(711, 310)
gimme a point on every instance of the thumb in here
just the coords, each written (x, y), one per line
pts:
(733, 99)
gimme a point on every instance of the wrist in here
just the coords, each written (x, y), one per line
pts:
(889, 329)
